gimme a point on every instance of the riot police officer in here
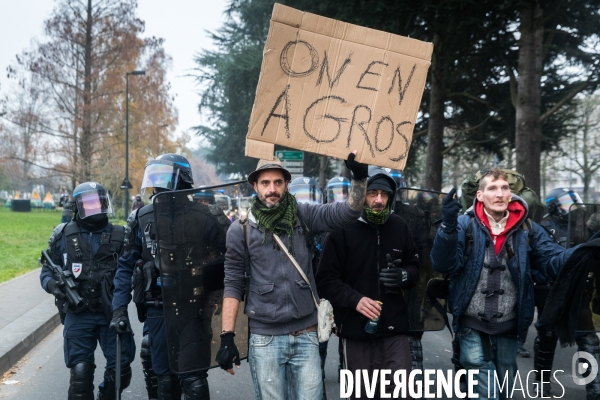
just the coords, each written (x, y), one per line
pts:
(560, 202)
(306, 190)
(167, 172)
(337, 189)
(87, 249)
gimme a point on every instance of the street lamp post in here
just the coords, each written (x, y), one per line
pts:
(126, 185)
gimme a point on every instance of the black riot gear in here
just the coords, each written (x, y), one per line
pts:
(167, 172)
(306, 190)
(110, 389)
(560, 201)
(205, 196)
(168, 387)
(93, 274)
(149, 376)
(337, 189)
(82, 381)
(81, 260)
(89, 199)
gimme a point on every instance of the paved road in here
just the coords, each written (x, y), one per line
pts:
(42, 374)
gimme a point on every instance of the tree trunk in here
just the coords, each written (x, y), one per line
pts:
(435, 134)
(86, 134)
(528, 135)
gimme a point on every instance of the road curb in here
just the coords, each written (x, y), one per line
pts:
(24, 333)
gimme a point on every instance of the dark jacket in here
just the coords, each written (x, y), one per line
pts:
(94, 267)
(279, 301)
(349, 270)
(539, 251)
(568, 306)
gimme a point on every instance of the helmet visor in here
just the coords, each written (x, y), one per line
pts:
(159, 176)
(337, 194)
(568, 202)
(307, 194)
(92, 203)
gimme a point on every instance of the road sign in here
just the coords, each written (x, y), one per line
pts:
(295, 170)
(126, 184)
(289, 155)
(287, 163)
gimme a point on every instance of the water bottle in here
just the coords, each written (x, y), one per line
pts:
(372, 324)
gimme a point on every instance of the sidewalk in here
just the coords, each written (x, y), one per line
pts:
(27, 315)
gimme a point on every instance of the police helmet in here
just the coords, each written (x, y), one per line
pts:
(337, 189)
(561, 201)
(306, 190)
(90, 198)
(168, 172)
(397, 176)
(205, 196)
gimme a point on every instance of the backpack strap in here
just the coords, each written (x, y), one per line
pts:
(528, 226)
(246, 236)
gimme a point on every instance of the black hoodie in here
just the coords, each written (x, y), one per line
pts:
(349, 270)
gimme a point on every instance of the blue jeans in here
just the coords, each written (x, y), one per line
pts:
(283, 364)
(503, 361)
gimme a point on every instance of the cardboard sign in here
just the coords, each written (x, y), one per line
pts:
(329, 87)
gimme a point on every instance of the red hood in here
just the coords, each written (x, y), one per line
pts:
(516, 215)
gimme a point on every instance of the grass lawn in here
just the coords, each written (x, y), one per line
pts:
(23, 235)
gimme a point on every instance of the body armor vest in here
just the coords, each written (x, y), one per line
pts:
(90, 270)
(148, 267)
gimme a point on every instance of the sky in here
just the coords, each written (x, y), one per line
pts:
(182, 23)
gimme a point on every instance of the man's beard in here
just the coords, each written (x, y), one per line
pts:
(263, 199)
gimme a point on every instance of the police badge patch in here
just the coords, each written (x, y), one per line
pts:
(76, 268)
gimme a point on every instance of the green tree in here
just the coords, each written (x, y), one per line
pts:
(230, 76)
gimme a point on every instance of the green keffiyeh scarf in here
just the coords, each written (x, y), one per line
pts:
(279, 219)
(377, 217)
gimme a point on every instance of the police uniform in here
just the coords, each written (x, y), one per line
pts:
(138, 264)
(91, 257)
(546, 340)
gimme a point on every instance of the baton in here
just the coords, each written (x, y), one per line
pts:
(122, 325)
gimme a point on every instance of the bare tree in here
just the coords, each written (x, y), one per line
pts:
(80, 67)
(584, 145)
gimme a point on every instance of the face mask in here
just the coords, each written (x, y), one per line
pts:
(93, 222)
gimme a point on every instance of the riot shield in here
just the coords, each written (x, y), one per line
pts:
(584, 220)
(422, 211)
(190, 255)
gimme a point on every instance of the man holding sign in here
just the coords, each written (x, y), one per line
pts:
(282, 317)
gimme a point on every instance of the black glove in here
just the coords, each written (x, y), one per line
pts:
(228, 354)
(120, 321)
(393, 276)
(54, 289)
(450, 209)
(359, 171)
